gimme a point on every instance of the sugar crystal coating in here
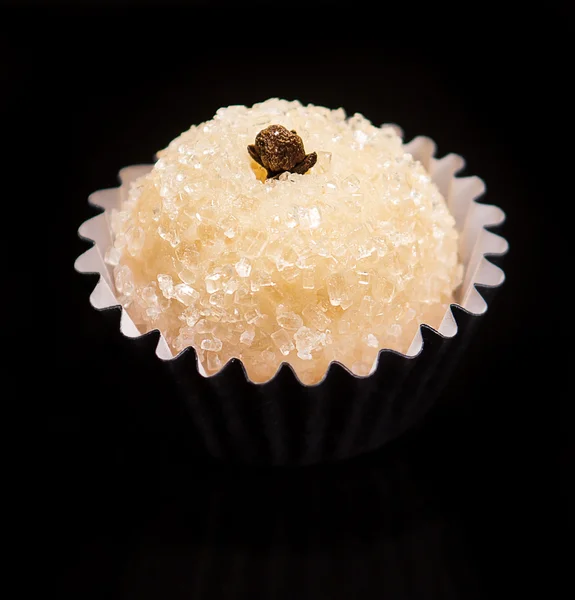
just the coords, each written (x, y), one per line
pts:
(332, 265)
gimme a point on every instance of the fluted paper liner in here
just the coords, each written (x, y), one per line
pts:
(283, 421)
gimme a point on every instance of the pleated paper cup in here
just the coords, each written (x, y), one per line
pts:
(285, 422)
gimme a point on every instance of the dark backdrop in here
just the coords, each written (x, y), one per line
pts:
(470, 504)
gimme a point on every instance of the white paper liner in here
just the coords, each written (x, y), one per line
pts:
(461, 193)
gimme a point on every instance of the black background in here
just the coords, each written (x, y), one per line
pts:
(471, 504)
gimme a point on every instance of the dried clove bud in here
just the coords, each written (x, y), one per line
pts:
(279, 150)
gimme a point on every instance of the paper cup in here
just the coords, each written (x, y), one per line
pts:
(285, 422)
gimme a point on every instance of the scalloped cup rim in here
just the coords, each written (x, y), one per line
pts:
(493, 222)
